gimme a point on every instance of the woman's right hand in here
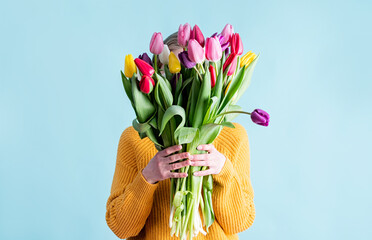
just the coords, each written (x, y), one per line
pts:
(159, 168)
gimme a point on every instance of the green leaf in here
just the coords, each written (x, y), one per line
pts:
(228, 124)
(163, 92)
(231, 116)
(185, 135)
(203, 98)
(143, 107)
(171, 112)
(127, 86)
(168, 74)
(209, 132)
(193, 98)
(211, 106)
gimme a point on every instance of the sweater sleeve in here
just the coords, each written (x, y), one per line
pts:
(232, 196)
(131, 197)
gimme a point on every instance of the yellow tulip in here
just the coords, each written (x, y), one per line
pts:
(228, 85)
(174, 64)
(130, 67)
(247, 59)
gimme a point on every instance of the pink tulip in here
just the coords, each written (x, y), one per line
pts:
(195, 51)
(236, 44)
(184, 34)
(144, 67)
(227, 32)
(213, 50)
(213, 75)
(156, 43)
(146, 84)
(197, 34)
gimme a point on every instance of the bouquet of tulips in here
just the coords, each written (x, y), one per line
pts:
(188, 102)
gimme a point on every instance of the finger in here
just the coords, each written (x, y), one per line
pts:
(177, 175)
(178, 156)
(206, 147)
(201, 157)
(201, 163)
(178, 165)
(204, 173)
(170, 150)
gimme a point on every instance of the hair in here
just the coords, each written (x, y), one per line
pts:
(172, 42)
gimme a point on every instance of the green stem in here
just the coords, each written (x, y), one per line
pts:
(228, 112)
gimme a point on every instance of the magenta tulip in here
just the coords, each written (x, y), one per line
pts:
(195, 51)
(184, 34)
(144, 67)
(227, 32)
(146, 84)
(236, 44)
(213, 50)
(197, 34)
(260, 117)
(156, 43)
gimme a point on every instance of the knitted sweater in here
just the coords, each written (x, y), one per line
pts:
(137, 209)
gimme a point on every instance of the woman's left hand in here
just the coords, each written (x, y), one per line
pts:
(213, 159)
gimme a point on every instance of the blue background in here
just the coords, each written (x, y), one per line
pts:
(63, 109)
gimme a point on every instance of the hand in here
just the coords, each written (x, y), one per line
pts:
(213, 159)
(159, 168)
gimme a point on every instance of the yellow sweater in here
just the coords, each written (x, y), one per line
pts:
(137, 209)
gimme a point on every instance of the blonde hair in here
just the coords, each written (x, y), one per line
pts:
(172, 42)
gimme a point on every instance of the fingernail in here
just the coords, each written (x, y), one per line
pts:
(199, 147)
(190, 156)
(195, 174)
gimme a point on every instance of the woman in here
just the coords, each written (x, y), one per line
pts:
(138, 206)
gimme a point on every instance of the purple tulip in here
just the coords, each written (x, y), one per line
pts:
(185, 60)
(145, 58)
(224, 44)
(227, 32)
(260, 117)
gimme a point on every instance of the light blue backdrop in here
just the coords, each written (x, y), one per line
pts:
(63, 108)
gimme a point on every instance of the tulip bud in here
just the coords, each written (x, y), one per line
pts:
(260, 117)
(227, 32)
(213, 75)
(164, 55)
(129, 66)
(213, 50)
(184, 34)
(144, 67)
(247, 59)
(146, 84)
(195, 51)
(197, 35)
(185, 60)
(174, 64)
(236, 44)
(156, 43)
(230, 61)
(145, 58)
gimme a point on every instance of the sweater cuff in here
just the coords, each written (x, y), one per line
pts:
(226, 174)
(142, 188)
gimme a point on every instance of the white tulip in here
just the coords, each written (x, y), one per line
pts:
(164, 55)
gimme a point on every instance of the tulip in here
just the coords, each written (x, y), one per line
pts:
(260, 117)
(236, 44)
(184, 34)
(185, 60)
(232, 61)
(144, 67)
(146, 84)
(174, 63)
(247, 59)
(145, 58)
(129, 66)
(195, 51)
(224, 44)
(213, 75)
(197, 35)
(227, 32)
(164, 55)
(156, 43)
(213, 50)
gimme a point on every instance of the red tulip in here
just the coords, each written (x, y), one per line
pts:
(197, 35)
(144, 67)
(213, 75)
(236, 44)
(146, 84)
(232, 61)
